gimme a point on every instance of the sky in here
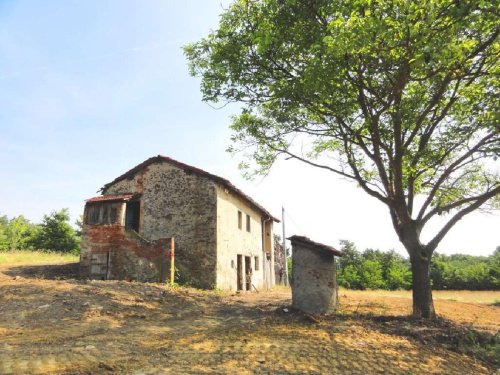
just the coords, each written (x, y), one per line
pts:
(89, 89)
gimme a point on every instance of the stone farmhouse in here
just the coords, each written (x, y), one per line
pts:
(223, 238)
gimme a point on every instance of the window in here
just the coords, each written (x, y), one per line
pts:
(102, 213)
(132, 213)
(93, 213)
(256, 263)
(248, 223)
(240, 220)
(113, 213)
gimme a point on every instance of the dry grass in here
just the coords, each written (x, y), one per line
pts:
(468, 308)
(35, 257)
(472, 296)
(52, 323)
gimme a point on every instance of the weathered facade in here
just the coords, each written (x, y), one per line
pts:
(314, 285)
(222, 237)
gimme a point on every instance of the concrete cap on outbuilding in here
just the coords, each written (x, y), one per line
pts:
(305, 241)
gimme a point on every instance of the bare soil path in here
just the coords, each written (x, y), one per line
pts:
(51, 323)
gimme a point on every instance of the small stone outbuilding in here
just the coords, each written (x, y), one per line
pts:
(314, 275)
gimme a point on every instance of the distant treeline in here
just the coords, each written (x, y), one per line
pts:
(375, 269)
(54, 233)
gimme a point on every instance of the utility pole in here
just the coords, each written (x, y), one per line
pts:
(284, 244)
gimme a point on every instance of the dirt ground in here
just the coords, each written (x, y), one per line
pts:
(51, 323)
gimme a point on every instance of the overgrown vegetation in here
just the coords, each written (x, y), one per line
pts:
(54, 233)
(375, 269)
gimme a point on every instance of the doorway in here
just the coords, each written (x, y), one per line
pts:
(239, 271)
(132, 215)
(248, 274)
(244, 275)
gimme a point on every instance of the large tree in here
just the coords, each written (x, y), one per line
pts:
(399, 96)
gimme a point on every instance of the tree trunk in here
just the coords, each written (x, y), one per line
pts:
(423, 306)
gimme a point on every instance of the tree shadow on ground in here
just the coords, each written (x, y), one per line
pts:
(443, 332)
(45, 271)
(118, 327)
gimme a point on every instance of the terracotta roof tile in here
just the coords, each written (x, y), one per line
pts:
(113, 197)
(222, 181)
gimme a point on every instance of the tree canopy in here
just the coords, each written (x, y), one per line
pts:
(53, 234)
(399, 96)
(375, 269)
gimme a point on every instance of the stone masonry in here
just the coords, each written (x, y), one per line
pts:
(314, 283)
(182, 202)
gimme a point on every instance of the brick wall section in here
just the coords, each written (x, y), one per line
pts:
(179, 204)
(130, 257)
(314, 287)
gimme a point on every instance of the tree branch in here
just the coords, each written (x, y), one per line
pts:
(459, 215)
(440, 209)
(448, 171)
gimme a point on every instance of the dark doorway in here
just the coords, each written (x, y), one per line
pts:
(248, 274)
(239, 271)
(132, 213)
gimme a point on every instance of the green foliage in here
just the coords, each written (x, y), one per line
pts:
(460, 271)
(383, 86)
(349, 264)
(20, 233)
(4, 235)
(375, 269)
(395, 269)
(360, 271)
(53, 234)
(79, 226)
(370, 272)
(16, 233)
(351, 254)
(349, 277)
(56, 233)
(398, 276)
(398, 96)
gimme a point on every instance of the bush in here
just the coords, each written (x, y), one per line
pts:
(375, 269)
(55, 233)
(371, 275)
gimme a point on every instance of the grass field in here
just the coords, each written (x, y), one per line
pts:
(35, 257)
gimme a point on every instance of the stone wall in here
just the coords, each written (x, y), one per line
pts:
(179, 204)
(314, 284)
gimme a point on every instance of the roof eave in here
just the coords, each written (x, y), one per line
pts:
(222, 181)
